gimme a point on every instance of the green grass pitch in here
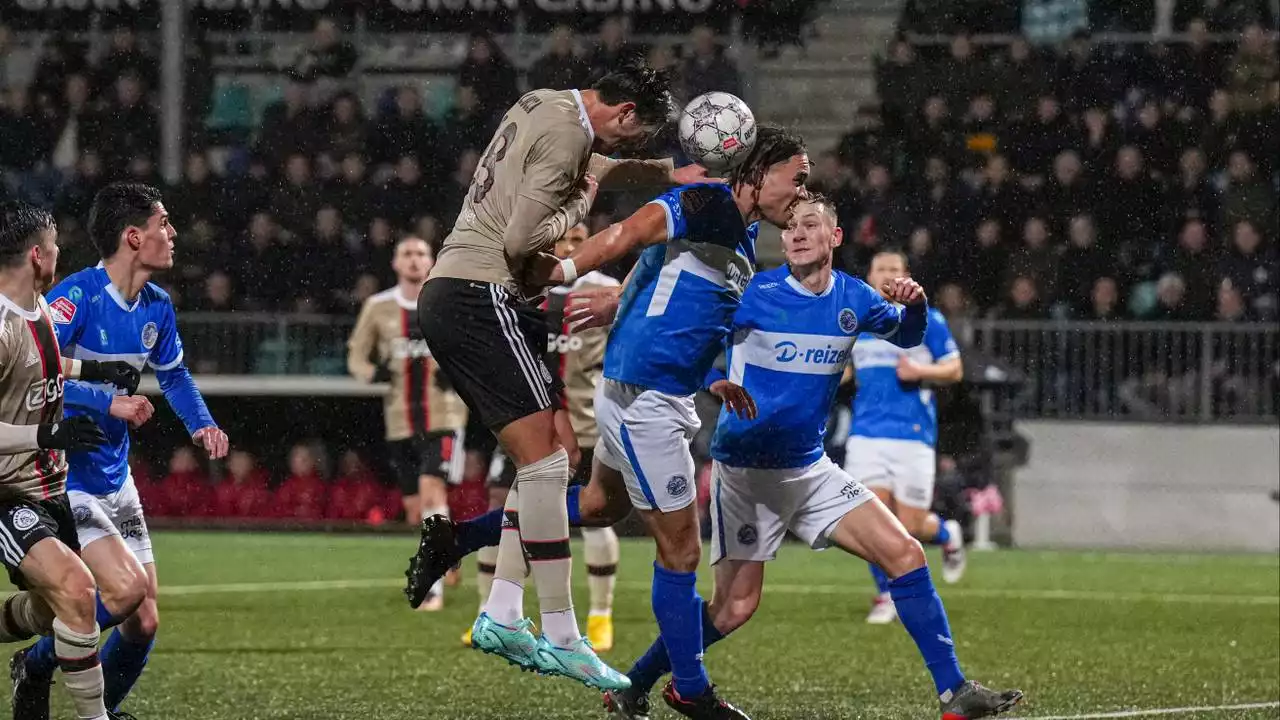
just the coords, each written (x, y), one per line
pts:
(258, 626)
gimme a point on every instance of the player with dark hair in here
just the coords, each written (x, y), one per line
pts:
(114, 311)
(423, 415)
(537, 179)
(38, 542)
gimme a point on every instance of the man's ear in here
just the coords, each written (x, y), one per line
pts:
(837, 237)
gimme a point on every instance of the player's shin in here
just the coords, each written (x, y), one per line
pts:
(41, 659)
(544, 530)
(123, 659)
(678, 609)
(77, 655)
(486, 566)
(600, 552)
(506, 597)
(922, 614)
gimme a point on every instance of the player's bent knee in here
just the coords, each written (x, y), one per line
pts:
(905, 555)
(74, 598)
(144, 623)
(736, 612)
(682, 553)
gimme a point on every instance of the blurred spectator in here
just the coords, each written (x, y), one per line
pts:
(488, 71)
(1190, 196)
(1193, 261)
(887, 206)
(1171, 300)
(924, 261)
(1230, 305)
(706, 68)
(980, 263)
(131, 125)
(1067, 193)
(406, 131)
(1253, 68)
(244, 194)
(1100, 142)
(960, 76)
(405, 195)
(243, 492)
(302, 495)
(345, 129)
(1104, 301)
(611, 49)
(1151, 136)
(560, 68)
(1042, 138)
(934, 135)
(322, 276)
(1084, 75)
(1036, 257)
(126, 58)
(998, 196)
(1082, 261)
(329, 56)
(1049, 22)
(943, 203)
(1023, 301)
(295, 200)
(7, 67)
(218, 295)
(355, 495)
(1252, 270)
(1020, 78)
(263, 260)
(1130, 202)
(78, 127)
(982, 131)
(289, 127)
(866, 141)
(1247, 197)
(197, 195)
(60, 58)
(26, 141)
(1195, 67)
(349, 191)
(901, 82)
(185, 490)
(953, 303)
(465, 127)
(82, 184)
(377, 251)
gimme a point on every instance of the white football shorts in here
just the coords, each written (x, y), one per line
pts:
(645, 435)
(119, 513)
(906, 468)
(752, 509)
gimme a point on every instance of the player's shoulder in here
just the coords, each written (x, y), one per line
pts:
(701, 202)
(87, 279)
(381, 298)
(153, 294)
(769, 280)
(935, 316)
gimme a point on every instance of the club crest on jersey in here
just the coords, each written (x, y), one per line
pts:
(149, 335)
(24, 519)
(677, 486)
(747, 534)
(848, 321)
(62, 310)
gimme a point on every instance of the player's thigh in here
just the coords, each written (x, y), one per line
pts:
(59, 577)
(915, 470)
(103, 548)
(738, 586)
(875, 534)
(824, 495)
(745, 527)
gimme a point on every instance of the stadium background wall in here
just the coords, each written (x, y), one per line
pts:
(1208, 488)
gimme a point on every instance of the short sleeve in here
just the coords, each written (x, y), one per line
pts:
(938, 338)
(66, 310)
(553, 165)
(166, 354)
(670, 204)
(702, 214)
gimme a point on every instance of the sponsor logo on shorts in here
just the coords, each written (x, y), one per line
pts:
(848, 321)
(677, 486)
(133, 528)
(546, 374)
(149, 335)
(747, 534)
(23, 519)
(852, 490)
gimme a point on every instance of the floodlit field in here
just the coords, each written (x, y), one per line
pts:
(315, 626)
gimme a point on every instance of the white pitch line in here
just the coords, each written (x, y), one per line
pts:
(784, 588)
(1159, 711)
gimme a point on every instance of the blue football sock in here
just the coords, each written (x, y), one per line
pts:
(678, 609)
(571, 503)
(649, 669)
(944, 535)
(482, 531)
(122, 664)
(922, 614)
(882, 580)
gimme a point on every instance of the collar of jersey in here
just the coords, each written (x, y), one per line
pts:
(401, 300)
(16, 309)
(582, 115)
(114, 292)
(800, 288)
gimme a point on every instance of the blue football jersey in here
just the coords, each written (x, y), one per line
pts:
(885, 407)
(95, 322)
(677, 308)
(788, 350)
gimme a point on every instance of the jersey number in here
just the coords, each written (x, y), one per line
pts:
(496, 153)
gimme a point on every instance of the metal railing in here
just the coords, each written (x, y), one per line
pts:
(1136, 371)
(1150, 372)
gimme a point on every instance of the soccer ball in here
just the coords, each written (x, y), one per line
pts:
(717, 130)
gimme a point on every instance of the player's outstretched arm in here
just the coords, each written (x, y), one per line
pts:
(647, 226)
(622, 174)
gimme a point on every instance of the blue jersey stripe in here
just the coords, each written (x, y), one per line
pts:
(635, 465)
